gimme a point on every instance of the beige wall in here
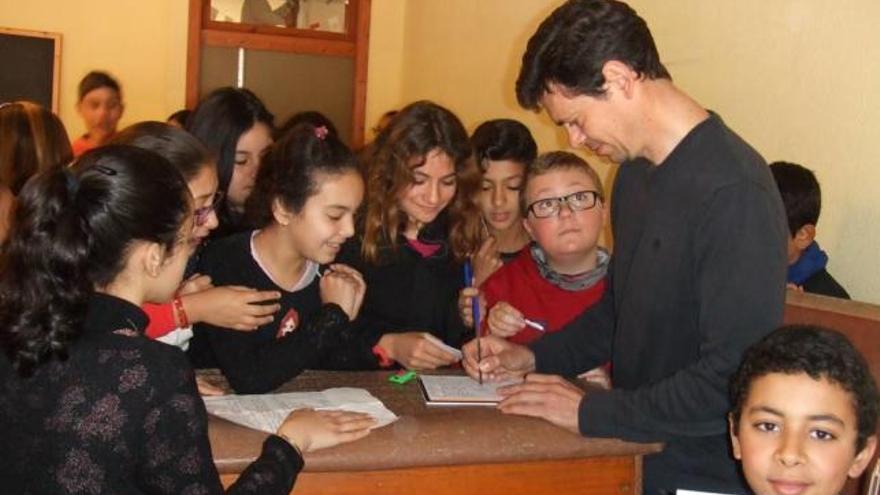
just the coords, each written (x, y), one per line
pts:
(799, 79)
(142, 43)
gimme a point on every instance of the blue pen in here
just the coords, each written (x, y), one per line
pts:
(475, 308)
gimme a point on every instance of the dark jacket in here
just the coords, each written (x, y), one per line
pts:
(697, 276)
(120, 415)
(408, 292)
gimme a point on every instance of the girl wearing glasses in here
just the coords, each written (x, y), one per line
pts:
(237, 128)
(197, 299)
(420, 224)
(305, 199)
(563, 271)
(89, 404)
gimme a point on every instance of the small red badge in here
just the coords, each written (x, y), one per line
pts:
(288, 323)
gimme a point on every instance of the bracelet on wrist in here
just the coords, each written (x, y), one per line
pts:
(182, 320)
(381, 354)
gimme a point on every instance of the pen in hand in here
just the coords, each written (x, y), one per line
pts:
(534, 324)
(475, 307)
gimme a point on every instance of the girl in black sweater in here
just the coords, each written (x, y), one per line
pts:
(87, 402)
(421, 223)
(304, 202)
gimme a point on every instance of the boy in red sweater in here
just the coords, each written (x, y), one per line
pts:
(563, 271)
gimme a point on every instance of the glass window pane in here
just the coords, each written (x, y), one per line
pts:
(287, 82)
(318, 15)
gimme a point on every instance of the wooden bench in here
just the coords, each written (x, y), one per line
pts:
(860, 322)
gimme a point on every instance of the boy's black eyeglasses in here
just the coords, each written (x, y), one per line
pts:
(201, 214)
(576, 201)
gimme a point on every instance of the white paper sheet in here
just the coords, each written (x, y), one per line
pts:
(446, 347)
(460, 390)
(267, 412)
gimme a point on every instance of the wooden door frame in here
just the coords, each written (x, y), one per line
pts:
(353, 44)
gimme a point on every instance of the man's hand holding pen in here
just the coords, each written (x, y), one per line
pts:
(548, 397)
(501, 360)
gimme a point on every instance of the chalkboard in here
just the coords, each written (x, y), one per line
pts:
(32, 63)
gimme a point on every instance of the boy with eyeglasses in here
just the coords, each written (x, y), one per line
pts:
(562, 272)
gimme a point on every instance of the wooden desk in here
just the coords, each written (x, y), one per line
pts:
(458, 451)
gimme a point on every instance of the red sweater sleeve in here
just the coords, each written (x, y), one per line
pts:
(161, 319)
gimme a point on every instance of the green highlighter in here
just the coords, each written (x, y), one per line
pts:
(402, 377)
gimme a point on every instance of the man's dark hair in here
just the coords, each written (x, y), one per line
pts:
(503, 139)
(819, 352)
(800, 192)
(572, 45)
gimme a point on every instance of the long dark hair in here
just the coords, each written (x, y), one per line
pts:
(218, 121)
(179, 147)
(289, 170)
(70, 233)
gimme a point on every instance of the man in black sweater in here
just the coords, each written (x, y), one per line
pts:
(698, 268)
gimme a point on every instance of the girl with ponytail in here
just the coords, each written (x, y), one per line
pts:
(87, 402)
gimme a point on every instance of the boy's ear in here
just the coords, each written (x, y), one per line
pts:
(734, 440)
(621, 76)
(804, 236)
(281, 214)
(863, 458)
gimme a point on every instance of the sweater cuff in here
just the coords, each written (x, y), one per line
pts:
(597, 415)
(336, 313)
(287, 456)
(543, 358)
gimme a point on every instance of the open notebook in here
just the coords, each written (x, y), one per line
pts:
(457, 390)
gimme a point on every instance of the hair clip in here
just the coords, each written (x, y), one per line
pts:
(321, 132)
(104, 169)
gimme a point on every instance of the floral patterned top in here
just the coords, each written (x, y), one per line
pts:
(120, 415)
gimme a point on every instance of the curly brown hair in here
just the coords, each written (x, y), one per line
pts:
(402, 146)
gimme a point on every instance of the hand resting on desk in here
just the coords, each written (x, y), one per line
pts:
(549, 397)
(308, 429)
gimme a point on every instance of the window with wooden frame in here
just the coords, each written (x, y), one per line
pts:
(296, 55)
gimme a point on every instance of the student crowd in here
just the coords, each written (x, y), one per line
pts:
(220, 240)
